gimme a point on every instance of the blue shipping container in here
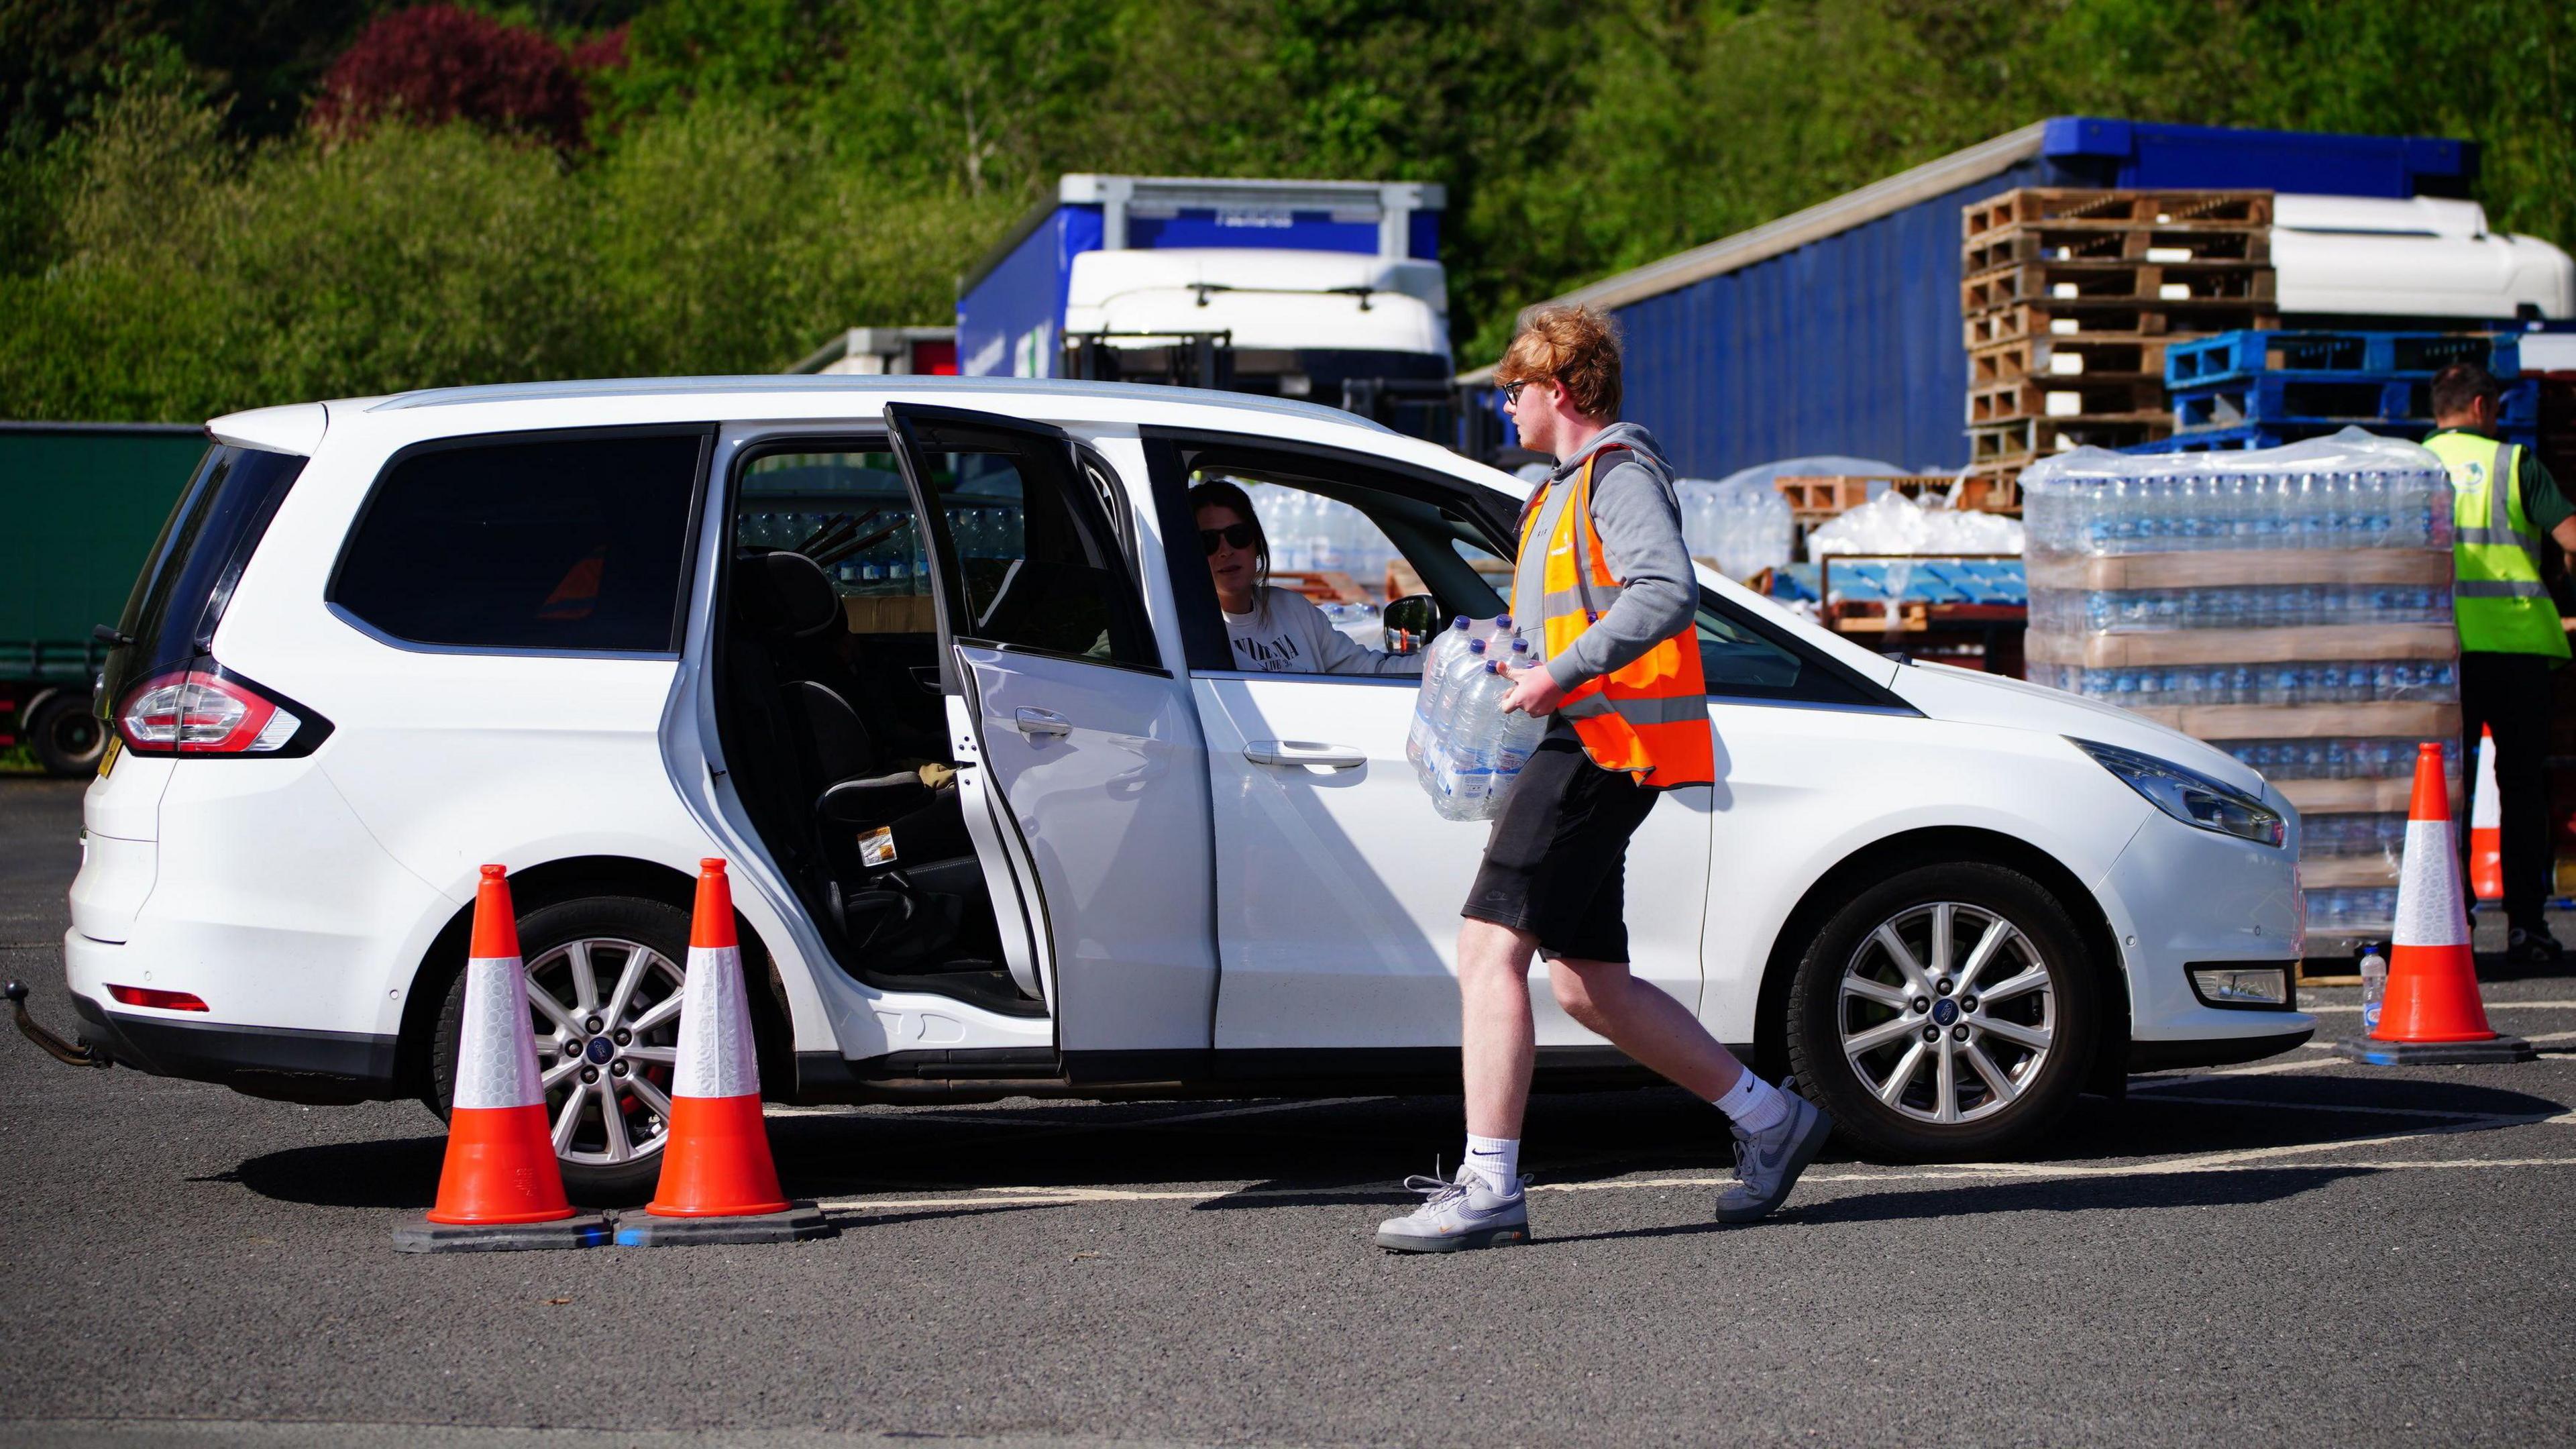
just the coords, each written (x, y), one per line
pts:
(1838, 329)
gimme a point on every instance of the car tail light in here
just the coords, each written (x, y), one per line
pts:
(202, 712)
(163, 1000)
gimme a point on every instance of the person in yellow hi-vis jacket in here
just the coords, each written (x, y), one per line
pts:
(2511, 638)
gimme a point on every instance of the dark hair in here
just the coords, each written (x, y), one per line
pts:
(1575, 347)
(1219, 493)
(2462, 383)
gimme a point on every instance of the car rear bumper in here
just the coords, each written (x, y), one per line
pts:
(285, 1063)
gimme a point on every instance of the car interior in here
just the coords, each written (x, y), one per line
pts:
(833, 722)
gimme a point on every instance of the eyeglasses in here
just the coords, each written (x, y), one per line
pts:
(1512, 390)
(1235, 535)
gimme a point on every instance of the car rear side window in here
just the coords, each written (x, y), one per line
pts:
(187, 579)
(560, 544)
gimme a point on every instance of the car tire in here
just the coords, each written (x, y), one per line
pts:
(613, 935)
(1998, 1069)
(66, 736)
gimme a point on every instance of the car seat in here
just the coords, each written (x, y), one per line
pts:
(891, 832)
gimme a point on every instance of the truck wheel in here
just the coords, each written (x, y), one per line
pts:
(1948, 1012)
(66, 737)
(604, 979)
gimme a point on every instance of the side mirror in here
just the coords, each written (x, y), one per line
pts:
(1410, 622)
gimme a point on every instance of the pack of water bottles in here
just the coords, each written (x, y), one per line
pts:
(2245, 606)
(1465, 750)
(1738, 528)
(2353, 682)
(2291, 606)
(2353, 490)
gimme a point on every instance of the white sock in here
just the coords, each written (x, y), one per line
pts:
(1497, 1160)
(1755, 1104)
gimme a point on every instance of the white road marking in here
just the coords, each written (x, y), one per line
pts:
(1051, 1129)
(1052, 1197)
(2237, 1160)
(2355, 1109)
(2491, 1006)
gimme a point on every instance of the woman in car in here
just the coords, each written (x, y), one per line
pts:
(1274, 631)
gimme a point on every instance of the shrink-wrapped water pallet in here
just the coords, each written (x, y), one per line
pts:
(2291, 606)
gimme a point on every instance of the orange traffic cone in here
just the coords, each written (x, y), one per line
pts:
(501, 1188)
(2431, 1015)
(2486, 822)
(718, 1183)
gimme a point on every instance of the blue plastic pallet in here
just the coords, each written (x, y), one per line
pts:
(2234, 356)
(1934, 581)
(2309, 398)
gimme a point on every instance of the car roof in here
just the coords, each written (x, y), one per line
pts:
(872, 383)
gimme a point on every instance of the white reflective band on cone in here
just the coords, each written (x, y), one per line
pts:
(496, 1052)
(715, 1056)
(2485, 811)
(2429, 909)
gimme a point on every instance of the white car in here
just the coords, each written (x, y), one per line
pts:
(1004, 817)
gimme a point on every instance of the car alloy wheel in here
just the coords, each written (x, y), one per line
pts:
(607, 1015)
(1947, 1012)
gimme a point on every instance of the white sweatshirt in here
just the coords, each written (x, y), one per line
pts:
(1285, 634)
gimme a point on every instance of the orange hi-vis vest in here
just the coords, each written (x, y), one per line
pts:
(1648, 717)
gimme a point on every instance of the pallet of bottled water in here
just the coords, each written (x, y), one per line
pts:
(1464, 749)
(2290, 605)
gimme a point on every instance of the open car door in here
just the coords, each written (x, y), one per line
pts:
(1082, 746)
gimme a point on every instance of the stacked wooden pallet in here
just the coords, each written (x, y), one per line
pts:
(1816, 498)
(2071, 298)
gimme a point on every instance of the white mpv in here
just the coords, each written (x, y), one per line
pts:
(937, 664)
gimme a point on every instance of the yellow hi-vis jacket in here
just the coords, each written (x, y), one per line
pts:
(1648, 717)
(2497, 596)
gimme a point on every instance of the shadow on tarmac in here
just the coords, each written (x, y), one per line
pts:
(1354, 1153)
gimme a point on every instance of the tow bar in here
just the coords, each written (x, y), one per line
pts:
(55, 1047)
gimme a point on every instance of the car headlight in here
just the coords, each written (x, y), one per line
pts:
(2193, 799)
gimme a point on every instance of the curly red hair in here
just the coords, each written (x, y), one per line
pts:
(1574, 347)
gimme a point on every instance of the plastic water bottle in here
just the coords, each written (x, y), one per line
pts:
(1444, 704)
(1444, 650)
(2374, 987)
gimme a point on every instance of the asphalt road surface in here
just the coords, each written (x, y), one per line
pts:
(2299, 1251)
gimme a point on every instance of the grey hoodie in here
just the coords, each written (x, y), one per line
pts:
(1639, 518)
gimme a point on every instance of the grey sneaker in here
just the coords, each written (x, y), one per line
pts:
(1457, 1215)
(1767, 1164)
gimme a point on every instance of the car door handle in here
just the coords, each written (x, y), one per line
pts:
(1304, 752)
(1040, 723)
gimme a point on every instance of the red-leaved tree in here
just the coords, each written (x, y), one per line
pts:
(432, 64)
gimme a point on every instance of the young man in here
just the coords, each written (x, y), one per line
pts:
(1604, 592)
(2511, 638)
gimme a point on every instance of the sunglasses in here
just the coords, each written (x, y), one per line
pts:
(1233, 535)
(1512, 390)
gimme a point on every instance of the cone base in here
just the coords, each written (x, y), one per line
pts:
(500, 1170)
(2435, 1053)
(798, 1223)
(716, 1163)
(429, 1237)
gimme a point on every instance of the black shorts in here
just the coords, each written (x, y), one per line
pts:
(1558, 857)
